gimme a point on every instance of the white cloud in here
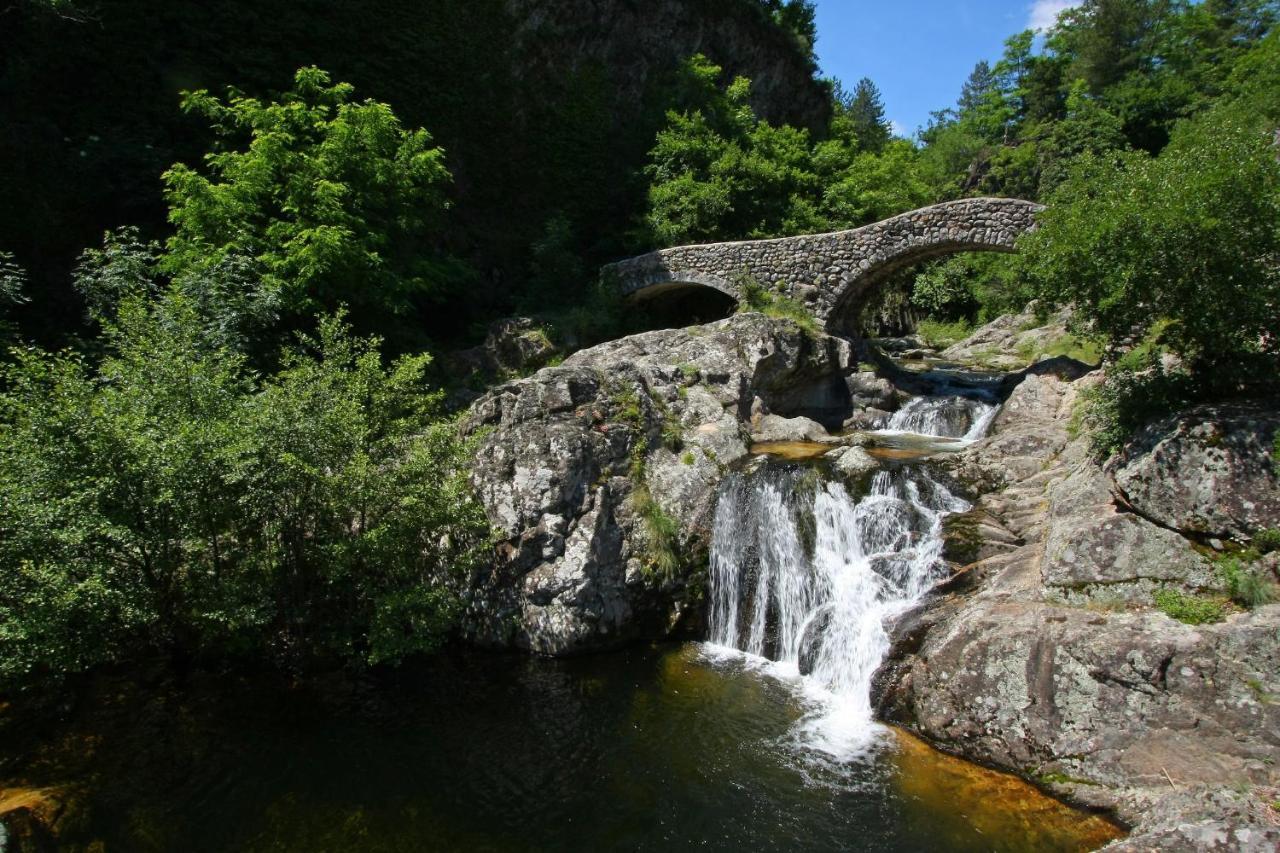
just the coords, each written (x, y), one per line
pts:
(897, 129)
(1045, 12)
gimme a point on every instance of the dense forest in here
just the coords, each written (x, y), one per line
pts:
(221, 434)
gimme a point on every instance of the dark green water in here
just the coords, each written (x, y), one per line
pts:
(647, 749)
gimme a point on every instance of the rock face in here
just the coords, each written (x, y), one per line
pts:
(1052, 663)
(1209, 470)
(1003, 344)
(582, 465)
(511, 345)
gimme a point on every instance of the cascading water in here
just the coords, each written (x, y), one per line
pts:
(805, 575)
(964, 418)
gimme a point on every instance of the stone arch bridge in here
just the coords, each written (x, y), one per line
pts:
(831, 274)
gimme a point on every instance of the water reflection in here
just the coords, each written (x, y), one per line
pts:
(655, 748)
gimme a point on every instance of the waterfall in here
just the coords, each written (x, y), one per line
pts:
(950, 417)
(805, 575)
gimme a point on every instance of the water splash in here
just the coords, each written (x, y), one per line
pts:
(805, 576)
(959, 417)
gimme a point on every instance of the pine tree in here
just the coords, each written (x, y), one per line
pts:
(866, 113)
(981, 82)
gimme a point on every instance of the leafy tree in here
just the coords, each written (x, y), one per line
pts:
(970, 286)
(168, 499)
(333, 201)
(362, 515)
(717, 171)
(1087, 127)
(798, 17)
(1190, 238)
(13, 279)
(872, 187)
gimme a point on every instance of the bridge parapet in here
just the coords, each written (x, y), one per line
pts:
(831, 273)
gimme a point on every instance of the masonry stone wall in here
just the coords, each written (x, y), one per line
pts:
(831, 273)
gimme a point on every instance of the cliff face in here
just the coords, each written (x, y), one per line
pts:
(639, 42)
(544, 107)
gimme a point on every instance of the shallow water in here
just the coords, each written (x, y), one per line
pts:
(668, 747)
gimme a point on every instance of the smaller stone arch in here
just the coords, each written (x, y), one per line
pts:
(674, 281)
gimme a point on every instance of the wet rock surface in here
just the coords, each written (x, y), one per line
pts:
(1046, 658)
(575, 463)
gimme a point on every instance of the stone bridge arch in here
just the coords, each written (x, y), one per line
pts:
(830, 273)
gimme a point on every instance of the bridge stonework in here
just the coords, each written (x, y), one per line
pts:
(830, 273)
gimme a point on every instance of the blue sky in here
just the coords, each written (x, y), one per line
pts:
(919, 52)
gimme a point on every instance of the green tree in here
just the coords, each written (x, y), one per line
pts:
(1189, 238)
(980, 83)
(717, 171)
(168, 499)
(333, 201)
(865, 111)
(871, 187)
(13, 281)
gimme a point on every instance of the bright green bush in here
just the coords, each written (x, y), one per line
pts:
(333, 201)
(1191, 609)
(1188, 238)
(940, 335)
(1267, 540)
(168, 499)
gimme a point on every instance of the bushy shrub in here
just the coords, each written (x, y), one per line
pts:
(169, 499)
(1191, 609)
(1267, 540)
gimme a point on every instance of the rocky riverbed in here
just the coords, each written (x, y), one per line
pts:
(1044, 655)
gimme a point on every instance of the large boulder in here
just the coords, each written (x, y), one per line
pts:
(1110, 708)
(594, 471)
(1210, 470)
(1092, 542)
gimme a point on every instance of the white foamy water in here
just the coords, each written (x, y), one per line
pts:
(963, 418)
(805, 576)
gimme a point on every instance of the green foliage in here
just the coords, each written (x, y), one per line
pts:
(1266, 541)
(661, 558)
(1133, 392)
(168, 499)
(333, 201)
(757, 297)
(864, 187)
(556, 271)
(1079, 347)
(976, 286)
(863, 109)
(1191, 609)
(1189, 237)
(717, 171)
(1246, 585)
(940, 335)
(13, 280)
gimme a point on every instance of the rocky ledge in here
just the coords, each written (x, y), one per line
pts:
(599, 475)
(1046, 658)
